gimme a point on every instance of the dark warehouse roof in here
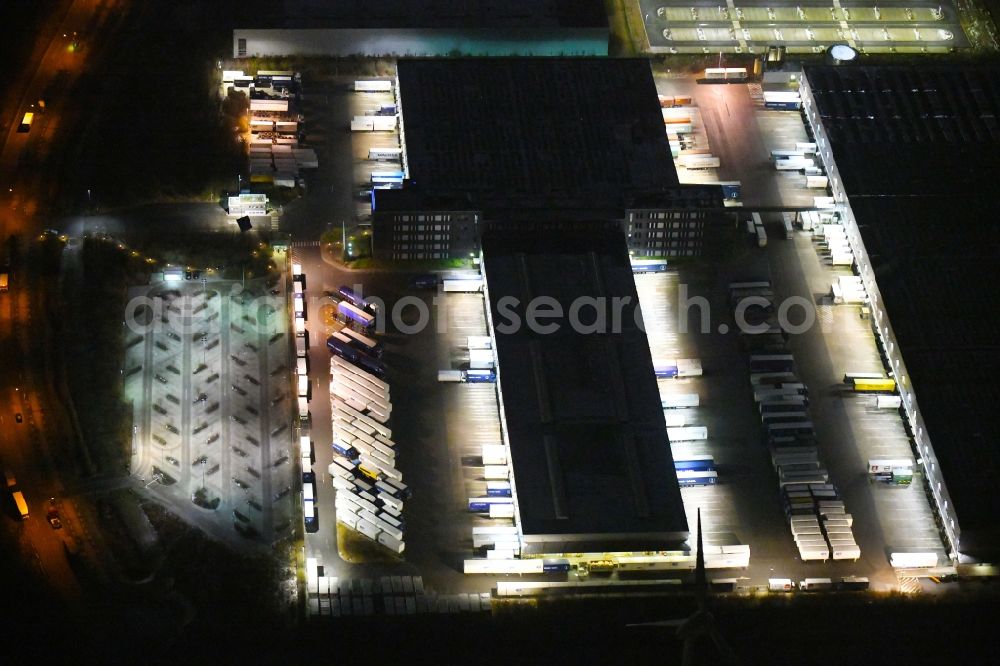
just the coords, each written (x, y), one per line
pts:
(417, 14)
(918, 149)
(550, 129)
(590, 454)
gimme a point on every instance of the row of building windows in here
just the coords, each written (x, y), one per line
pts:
(421, 246)
(546, 225)
(695, 225)
(419, 255)
(663, 215)
(422, 218)
(420, 237)
(422, 227)
(671, 252)
(641, 235)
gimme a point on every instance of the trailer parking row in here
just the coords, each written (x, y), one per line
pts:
(817, 516)
(275, 126)
(369, 487)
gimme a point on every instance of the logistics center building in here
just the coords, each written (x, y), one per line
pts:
(395, 28)
(580, 409)
(490, 143)
(913, 154)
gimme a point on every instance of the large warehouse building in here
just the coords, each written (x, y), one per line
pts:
(506, 142)
(581, 414)
(397, 28)
(913, 154)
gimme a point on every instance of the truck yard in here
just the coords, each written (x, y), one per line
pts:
(449, 423)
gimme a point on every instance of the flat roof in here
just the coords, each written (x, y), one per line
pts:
(423, 14)
(534, 129)
(918, 149)
(590, 454)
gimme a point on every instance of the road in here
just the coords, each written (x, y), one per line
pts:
(24, 451)
(25, 388)
(53, 68)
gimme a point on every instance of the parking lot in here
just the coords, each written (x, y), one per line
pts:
(748, 27)
(209, 381)
(888, 518)
(744, 507)
(438, 429)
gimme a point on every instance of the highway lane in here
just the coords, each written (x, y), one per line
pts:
(21, 154)
(24, 387)
(24, 451)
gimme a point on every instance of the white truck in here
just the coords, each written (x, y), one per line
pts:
(469, 285)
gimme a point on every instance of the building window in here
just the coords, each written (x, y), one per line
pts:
(241, 48)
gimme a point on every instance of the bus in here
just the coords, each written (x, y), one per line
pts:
(355, 314)
(363, 342)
